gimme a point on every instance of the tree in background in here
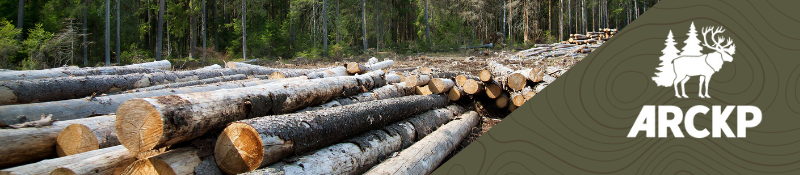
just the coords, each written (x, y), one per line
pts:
(8, 42)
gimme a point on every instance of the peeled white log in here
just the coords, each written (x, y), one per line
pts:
(150, 67)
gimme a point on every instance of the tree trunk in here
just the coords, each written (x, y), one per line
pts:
(239, 65)
(385, 92)
(424, 156)
(364, 22)
(111, 160)
(80, 108)
(473, 87)
(193, 83)
(534, 74)
(117, 40)
(493, 89)
(505, 76)
(244, 29)
(367, 147)
(457, 93)
(440, 85)
(520, 97)
(329, 126)
(417, 80)
(355, 68)
(87, 136)
(377, 26)
(20, 17)
(84, 44)
(550, 15)
(33, 143)
(173, 119)
(216, 26)
(62, 88)
(427, 25)
(501, 101)
(333, 72)
(102, 161)
(108, 33)
(461, 79)
(160, 29)
(184, 160)
(204, 30)
(338, 23)
(561, 21)
(150, 67)
(324, 28)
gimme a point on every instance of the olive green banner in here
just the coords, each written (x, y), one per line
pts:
(580, 123)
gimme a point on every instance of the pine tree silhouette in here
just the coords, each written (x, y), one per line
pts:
(692, 47)
(665, 69)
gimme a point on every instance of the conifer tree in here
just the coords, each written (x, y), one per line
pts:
(692, 47)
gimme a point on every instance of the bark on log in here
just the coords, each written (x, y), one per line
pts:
(493, 90)
(87, 136)
(358, 154)
(456, 93)
(461, 79)
(193, 83)
(385, 92)
(103, 161)
(424, 156)
(506, 77)
(440, 85)
(80, 108)
(520, 97)
(417, 80)
(533, 74)
(215, 66)
(425, 70)
(333, 72)
(283, 135)
(393, 78)
(31, 144)
(355, 68)
(51, 89)
(147, 123)
(181, 161)
(151, 67)
(473, 87)
(295, 73)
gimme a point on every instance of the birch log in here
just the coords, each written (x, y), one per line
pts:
(154, 122)
(31, 144)
(424, 156)
(232, 64)
(461, 79)
(103, 161)
(87, 136)
(418, 80)
(506, 76)
(238, 149)
(333, 72)
(151, 67)
(358, 154)
(473, 87)
(355, 68)
(440, 85)
(83, 107)
(457, 93)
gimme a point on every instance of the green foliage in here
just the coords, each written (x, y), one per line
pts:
(34, 46)
(8, 42)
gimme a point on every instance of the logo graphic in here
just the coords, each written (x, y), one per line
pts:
(677, 68)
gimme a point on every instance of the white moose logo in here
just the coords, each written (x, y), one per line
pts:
(678, 68)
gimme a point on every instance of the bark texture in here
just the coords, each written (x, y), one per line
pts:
(195, 82)
(461, 79)
(418, 80)
(82, 107)
(181, 161)
(355, 68)
(424, 156)
(32, 144)
(150, 67)
(440, 85)
(358, 154)
(385, 92)
(238, 149)
(154, 122)
(102, 160)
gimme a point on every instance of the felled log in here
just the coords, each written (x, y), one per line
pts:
(288, 73)
(87, 136)
(150, 67)
(232, 64)
(440, 85)
(473, 87)
(456, 93)
(461, 79)
(355, 68)
(101, 161)
(493, 90)
(82, 107)
(327, 126)
(194, 82)
(534, 74)
(424, 156)
(180, 161)
(366, 149)
(506, 76)
(418, 80)
(385, 92)
(422, 90)
(31, 144)
(215, 66)
(154, 122)
(501, 101)
(52, 89)
(520, 97)
(332, 72)
(512, 108)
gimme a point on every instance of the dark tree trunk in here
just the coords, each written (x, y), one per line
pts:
(20, 13)
(85, 47)
(364, 22)
(117, 44)
(244, 29)
(204, 30)
(108, 32)
(427, 25)
(324, 28)
(160, 29)
(338, 23)
(377, 26)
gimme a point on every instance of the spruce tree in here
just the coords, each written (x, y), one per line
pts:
(692, 47)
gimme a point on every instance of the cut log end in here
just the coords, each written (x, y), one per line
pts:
(512, 108)
(238, 149)
(440, 85)
(485, 75)
(355, 68)
(74, 139)
(501, 101)
(411, 80)
(473, 87)
(422, 90)
(460, 80)
(138, 125)
(516, 81)
(493, 91)
(7, 96)
(277, 75)
(518, 100)
(456, 93)
(149, 166)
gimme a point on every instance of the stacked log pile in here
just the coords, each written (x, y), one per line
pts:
(578, 45)
(237, 119)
